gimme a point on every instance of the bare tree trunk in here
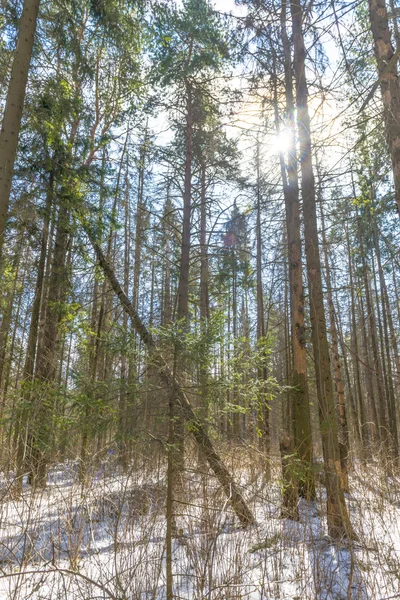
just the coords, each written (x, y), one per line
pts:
(14, 105)
(204, 268)
(339, 387)
(183, 290)
(126, 378)
(236, 414)
(389, 83)
(356, 356)
(263, 408)
(383, 429)
(355, 421)
(7, 314)
(300, 392)
(28, 371)
(204, 281)
(386, 363)
(338, 518)
(40, 436)
(184, 269)
(139, 224)
(167, 309)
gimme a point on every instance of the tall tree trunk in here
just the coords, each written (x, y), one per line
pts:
(364, 429)
(339, 387)
(184, 268)
(383, 429)
(167, 308)
(14, 105)
(29, 365)
(40, 436)
(123, 431)
(204, 284)
(184, 271)
(137, 260)
(204, 268)
(263, 408)
(338, 518)
(34, 326)
(387, 59)
(7, 314)
(355, 419)
(386, 357)
(300, 392)
(236, 414)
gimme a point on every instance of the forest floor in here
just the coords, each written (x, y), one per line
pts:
(107, 540)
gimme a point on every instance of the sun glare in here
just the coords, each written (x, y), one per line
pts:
(282, 141)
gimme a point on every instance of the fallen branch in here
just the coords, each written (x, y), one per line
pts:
(70, 572)
(197, 429)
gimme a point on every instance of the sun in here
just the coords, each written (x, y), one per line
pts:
(283, 141)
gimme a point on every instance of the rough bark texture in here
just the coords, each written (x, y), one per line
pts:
(299, 393)
(183, 290)
(386, 59)
(339, 387)
(390, 341)
(382, 422)
(14, 104)
(263, 407)
(41, 431)
(20, 430)
(204, 267)
(338, 519)
(362, 421)
(204, 284)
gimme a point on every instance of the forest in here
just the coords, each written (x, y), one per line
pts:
(200, 299)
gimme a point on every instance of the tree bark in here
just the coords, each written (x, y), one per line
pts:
(386, 59)
(14, 105)
(299, 393)
(383, 429)
(204, 285)
(338, 518)
(386, 343)
(41, 431)
(263, 408)
(29, 365)
(183, 289)
(363, 428)
(339, 387)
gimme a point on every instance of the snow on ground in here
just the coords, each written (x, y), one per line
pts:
(107, 540)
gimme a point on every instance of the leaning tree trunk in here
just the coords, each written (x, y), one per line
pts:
(197, 429)
(338, 518)
(386, 59)
(14, 104)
